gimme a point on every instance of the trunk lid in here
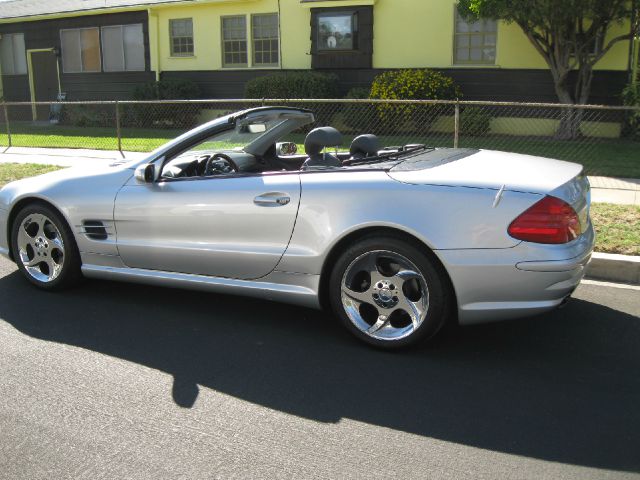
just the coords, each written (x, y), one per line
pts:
(499, 170)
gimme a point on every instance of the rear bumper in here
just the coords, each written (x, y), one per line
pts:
(515, 282)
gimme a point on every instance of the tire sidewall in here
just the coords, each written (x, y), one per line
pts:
(437, 311)
(71, 262)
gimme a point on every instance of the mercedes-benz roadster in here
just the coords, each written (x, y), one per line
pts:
(395, 241)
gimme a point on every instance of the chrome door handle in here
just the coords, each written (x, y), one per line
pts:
(272, 199)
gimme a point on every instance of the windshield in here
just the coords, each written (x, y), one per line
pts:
(239, 137)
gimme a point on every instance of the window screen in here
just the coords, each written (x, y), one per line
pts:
(264, 30)
(234, 41)
(181, 31)
(80, 50)
(123, 48)
(12, 54)
(475, 41)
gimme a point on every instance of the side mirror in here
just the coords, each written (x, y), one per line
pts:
(286, 148)
(146, 173)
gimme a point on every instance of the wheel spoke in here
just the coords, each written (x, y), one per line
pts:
(360, 297)
(54, 268)
(381, 322)
(413, 309)
(33, 262)
(407, 275)
(23, 238)
(56, 244)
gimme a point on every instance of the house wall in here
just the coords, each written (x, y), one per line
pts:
(407, 34)
(78, 86)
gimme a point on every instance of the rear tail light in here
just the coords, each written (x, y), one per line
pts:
(550, 220)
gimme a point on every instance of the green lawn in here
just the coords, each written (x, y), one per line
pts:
(617, 226)
(15, 171)
(607, 157)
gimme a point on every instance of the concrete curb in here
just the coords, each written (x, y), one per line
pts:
(614, 268)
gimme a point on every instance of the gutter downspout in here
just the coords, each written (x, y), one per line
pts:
(280, 36)
(633, 44)
(155, 59)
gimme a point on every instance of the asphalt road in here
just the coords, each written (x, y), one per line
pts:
(123, 381)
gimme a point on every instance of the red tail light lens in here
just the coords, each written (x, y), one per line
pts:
(551, 220)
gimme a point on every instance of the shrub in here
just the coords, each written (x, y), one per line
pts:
(293, 85)
(159, 115)
(358, 115)
(631, 98)
(414, 84)
(178, 89)
(474, 122)
(88, 115)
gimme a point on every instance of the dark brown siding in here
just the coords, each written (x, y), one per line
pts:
(78, 86)
(477, 83)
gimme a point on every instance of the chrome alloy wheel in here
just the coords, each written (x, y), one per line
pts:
(40, 247)
(384, 295)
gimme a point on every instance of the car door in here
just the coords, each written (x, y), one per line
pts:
(235, 226)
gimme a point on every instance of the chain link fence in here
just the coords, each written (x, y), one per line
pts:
(604, 139)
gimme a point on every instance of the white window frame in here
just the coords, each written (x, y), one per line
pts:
(249, 39)
(253, 40)
(64, 68)
(13, 56)
(472, 63)
(124, 55)
(171, 37)
(246, 40)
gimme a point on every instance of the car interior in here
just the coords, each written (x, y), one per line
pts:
(321, 152)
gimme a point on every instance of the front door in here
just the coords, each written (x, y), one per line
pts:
(45, 81)
(227, 226)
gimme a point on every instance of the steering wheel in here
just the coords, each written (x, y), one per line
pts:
(220, 163)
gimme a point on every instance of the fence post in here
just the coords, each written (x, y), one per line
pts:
(118, 132)
(456, 124)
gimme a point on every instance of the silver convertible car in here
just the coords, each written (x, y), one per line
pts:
(396, 241)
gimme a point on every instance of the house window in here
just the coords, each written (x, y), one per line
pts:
(181, 32)
(80, 50)
(475, 41)
(12, 54)
(338, 31)
(264, 31)
(123, 48)
(234, 41)
(342, 37)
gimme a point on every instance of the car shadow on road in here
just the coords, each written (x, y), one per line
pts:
(563, 387)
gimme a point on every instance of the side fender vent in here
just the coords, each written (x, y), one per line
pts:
(94, 230)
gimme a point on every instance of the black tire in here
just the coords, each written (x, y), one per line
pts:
(69, 260)
(439, 290)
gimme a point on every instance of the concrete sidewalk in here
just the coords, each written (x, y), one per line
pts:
(65, 157)
(624, 191)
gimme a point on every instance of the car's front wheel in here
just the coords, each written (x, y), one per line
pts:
(388, 292)
(44, 248)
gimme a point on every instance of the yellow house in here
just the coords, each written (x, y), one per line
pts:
(99, 49)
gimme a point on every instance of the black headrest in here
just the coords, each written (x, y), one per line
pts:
(367, 145)
(322, 137)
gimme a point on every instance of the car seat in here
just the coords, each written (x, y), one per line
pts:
(364, 146)
(316, 141)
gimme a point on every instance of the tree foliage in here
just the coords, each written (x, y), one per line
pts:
(569, 34)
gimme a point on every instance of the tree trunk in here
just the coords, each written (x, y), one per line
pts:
(569, 127)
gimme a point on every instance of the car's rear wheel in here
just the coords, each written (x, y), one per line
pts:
(389, 293)
(44, 248)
